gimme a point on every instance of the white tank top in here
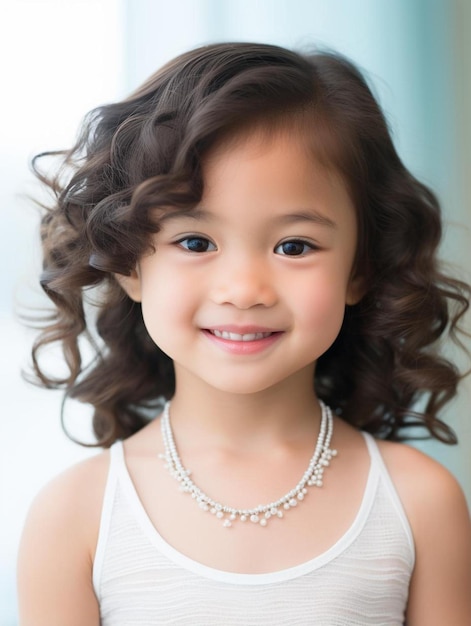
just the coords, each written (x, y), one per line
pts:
(140, 580)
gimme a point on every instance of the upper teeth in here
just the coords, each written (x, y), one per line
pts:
(223, 334)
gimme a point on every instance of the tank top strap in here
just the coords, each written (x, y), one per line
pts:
(115, 467)
(116, 456)
(375, 455)
(378, 465)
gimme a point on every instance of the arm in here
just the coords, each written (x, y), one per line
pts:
(57, 549)
(440, 591)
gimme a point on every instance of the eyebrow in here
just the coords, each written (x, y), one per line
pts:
(304, 215)
(197, 214)
(308, 215)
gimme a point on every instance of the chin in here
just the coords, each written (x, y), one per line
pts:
(246, 386)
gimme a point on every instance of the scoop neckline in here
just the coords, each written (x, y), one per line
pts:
(206, 571)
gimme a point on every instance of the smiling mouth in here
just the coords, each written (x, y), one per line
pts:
(224, 334)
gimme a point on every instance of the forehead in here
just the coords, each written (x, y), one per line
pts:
(263, 160)
(272, 180)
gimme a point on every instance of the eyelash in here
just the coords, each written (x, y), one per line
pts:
(307, 245)
(180, 242)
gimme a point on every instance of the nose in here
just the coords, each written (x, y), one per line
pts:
(244, 283)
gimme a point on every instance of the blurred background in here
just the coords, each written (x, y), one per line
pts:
(60, 59)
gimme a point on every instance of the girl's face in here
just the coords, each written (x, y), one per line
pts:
(247, 290)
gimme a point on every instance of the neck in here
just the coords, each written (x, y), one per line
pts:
(279, 414)
(260, 514)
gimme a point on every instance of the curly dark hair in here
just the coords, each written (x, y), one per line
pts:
(384, 373)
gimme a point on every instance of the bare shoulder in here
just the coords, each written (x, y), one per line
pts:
(75, 496)
(57, 548)
(420, 480)
(439, 517)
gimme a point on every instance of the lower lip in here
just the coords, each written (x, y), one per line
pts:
(243, 347)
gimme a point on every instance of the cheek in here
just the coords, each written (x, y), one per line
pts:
(322, 308)
(166, 300)
(325, 306)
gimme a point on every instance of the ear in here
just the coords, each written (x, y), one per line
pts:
(131, 284)
(356, 290)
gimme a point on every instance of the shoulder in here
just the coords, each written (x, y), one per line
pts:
(74, 496)
(421, 481)
(56, 553)
(438, 514)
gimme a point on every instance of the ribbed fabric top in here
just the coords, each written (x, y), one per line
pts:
(140, 580)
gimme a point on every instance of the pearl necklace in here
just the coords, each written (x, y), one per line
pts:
(262, 513)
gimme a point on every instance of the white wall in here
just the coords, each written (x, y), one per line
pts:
(58, 60)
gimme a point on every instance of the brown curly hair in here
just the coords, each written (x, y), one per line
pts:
(146, 152)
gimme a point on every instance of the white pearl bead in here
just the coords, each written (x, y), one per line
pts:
(313, 476)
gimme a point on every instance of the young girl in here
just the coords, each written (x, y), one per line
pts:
(262, 261)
